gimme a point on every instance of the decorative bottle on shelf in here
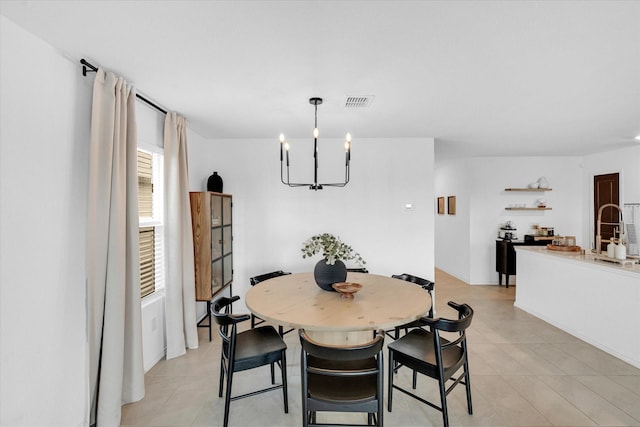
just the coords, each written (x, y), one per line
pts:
(214, 183)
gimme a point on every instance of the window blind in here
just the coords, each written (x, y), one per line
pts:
(145, 184)
(148, 246)
(147, 261)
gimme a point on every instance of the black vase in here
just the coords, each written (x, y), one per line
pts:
(214, 183)
(327, 274)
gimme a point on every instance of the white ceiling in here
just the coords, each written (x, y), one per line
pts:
(483, 77)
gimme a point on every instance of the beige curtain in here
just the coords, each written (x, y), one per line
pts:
(180, 303)
(113, 271)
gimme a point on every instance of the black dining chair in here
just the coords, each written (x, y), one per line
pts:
(428, 286)
(427, 353)
(247, 350)
(337, 378)
(255, 320)
(357, 270)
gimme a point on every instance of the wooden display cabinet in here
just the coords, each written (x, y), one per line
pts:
(211, 218)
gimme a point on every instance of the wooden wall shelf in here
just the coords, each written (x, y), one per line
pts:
(528, 189)
(527, 209)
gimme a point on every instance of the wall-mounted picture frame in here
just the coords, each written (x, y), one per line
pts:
(440, 205)
(451, 205)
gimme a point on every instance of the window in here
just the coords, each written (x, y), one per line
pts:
(150, 207)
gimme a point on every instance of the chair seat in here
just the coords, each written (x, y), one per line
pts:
(416, 350)
(257, 347)
(342, 389)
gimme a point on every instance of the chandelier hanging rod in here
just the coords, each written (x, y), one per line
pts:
(284, 148)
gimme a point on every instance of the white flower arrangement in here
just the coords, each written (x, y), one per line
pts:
(332, 248)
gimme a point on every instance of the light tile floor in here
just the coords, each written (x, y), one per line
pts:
(524, 372)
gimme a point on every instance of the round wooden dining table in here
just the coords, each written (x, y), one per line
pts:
(296, 301)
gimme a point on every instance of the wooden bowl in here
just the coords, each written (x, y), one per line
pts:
(347, 289)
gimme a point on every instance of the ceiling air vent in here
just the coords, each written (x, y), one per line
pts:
(361, 101)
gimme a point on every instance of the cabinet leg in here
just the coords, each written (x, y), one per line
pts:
(209, 314)
(507, 282)
(208, 317)
(499, 279)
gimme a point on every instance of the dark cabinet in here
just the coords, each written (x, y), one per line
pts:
(505, 259)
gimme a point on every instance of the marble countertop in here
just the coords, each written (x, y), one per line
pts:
(587, 259)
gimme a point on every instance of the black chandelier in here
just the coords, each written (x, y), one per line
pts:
(284, 146)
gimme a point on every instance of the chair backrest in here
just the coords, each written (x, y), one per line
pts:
(465, 316)
(358, 270)
(425, 284)
(221, 310)
(341, 352)
(354, 363)
(262, 277)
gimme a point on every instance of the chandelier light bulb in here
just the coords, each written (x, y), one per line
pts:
(346, 145)
(316, 132)
(281, 137)
(348, 137)
(286, 146)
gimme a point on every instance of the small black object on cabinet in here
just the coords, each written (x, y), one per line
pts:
(214, 183)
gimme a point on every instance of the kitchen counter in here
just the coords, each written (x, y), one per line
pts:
(588, 258)
(596, 301)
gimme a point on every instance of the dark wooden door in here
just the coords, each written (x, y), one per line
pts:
(605, 190)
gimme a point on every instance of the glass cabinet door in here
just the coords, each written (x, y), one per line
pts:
(226, 210)
(216, 275)
(216, 210)
(216, 242)
(228, 269)
(226, 240)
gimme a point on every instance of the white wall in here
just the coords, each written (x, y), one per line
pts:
(44, 151)
(452, 231)
(484, 180)
(271, 220)
(194, 151)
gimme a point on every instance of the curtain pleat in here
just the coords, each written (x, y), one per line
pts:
(181, 323)
(113, 273)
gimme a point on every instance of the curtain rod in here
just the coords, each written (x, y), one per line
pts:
(88, 68)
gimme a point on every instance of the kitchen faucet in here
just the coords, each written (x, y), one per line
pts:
(620, 224)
